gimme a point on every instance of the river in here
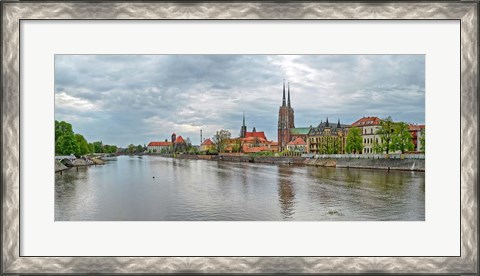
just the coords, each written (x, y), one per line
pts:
(151, 188)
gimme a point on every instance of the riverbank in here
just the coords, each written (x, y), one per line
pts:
(70, 163)
(359, 163)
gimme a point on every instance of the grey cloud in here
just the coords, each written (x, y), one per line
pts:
(137, 98)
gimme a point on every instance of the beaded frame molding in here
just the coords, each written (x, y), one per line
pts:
(14, 11)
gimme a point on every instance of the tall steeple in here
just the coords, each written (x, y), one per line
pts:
(289, 94)
(243, 128)
(286, 120)
(326, 123)
(338, 125)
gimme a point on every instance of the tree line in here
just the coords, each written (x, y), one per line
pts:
(68, 142)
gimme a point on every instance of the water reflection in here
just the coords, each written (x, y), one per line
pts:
(286, 193)
(155, 188)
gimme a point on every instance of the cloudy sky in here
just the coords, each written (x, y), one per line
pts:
(124, 99)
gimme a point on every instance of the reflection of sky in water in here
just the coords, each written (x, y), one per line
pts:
(155, 188)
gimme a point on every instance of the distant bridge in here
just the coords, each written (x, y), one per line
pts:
(66, 160)
(63, 157)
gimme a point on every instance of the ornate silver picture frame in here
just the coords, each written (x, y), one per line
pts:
(13, 12)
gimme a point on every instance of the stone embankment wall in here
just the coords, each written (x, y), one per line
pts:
(363, 163)
(235, 158)
(382, 164)
(280, 160)
(196, 157)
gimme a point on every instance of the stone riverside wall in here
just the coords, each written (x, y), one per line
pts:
(380, 163)
(385, 164)
(195, 157)
(279, 160)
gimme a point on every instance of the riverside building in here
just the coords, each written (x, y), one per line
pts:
(327, 138)
(369, 127)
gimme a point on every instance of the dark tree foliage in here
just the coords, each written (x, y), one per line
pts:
(68, 142)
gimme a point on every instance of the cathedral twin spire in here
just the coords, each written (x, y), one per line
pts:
(283, 101)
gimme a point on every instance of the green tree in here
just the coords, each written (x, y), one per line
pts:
(237, 146)
(336, 145)
(401, 138)
(422, 140)
(92, 148)
(83, 147)
(220, 139)
(62, 128)
(330, 145)
(386, 130)
(192, 150)
(131, 149)
(139, 149)
(98, 147)
(65, 142)
(377, 147)
(354, 141)
(109, 149)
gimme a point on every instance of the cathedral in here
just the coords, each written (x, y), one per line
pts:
(287, 132)
(286, 120)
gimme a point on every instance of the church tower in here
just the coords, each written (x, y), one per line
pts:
(243, 129)
(286, 120)
(291, 116)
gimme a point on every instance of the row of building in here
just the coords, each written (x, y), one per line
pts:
(325, 138)
(329, 137)
(175, 144)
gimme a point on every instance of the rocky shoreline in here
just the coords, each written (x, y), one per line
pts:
(80, 162)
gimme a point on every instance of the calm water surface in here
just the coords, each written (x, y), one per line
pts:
(156, 188)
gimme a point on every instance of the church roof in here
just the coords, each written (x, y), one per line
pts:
(257, 134)
(179, 140)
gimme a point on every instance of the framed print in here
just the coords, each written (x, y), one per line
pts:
(256, 137)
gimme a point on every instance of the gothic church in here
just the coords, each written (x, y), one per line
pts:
(286, 120)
